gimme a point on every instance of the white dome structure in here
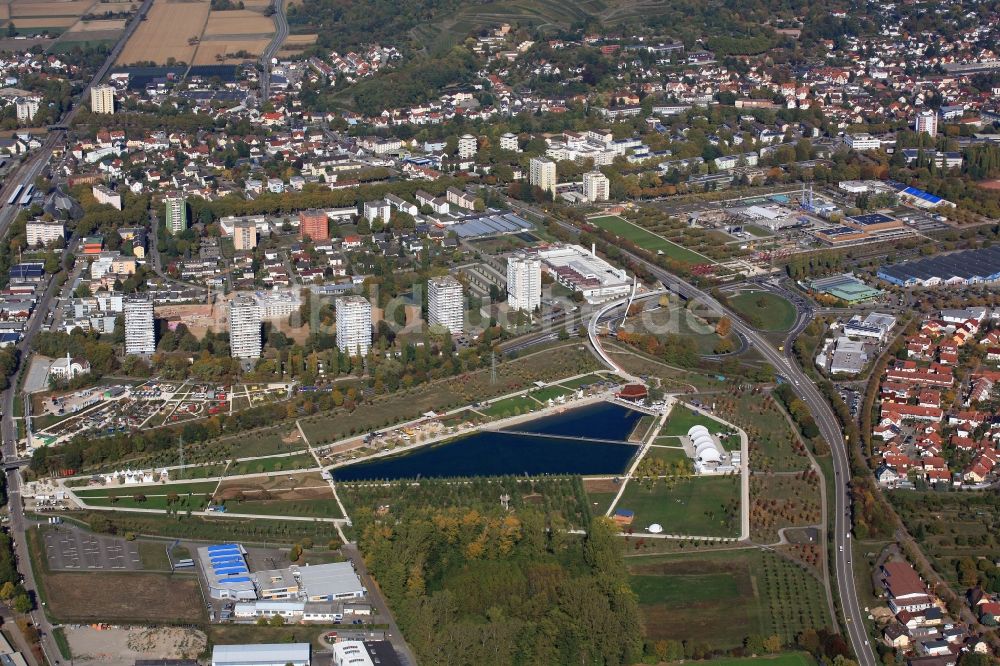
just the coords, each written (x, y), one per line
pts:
(655, 528)
(706, 450)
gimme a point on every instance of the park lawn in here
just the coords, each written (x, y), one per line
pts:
(195, 488)
(299, 461)
(682, 418)
(599, 502)
(783, 659)
(313, 508)
(764, 310)
(519, 404)
(549, 393)
(153, 555)
(721, 597)
(698, 506)
(184, 503)
(586, 380)
(666, 455)
(648, 240)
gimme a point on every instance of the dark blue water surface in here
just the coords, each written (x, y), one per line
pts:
(601, 420)
(501, 454)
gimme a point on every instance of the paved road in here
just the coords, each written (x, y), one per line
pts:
(280, 35)
(829, 428)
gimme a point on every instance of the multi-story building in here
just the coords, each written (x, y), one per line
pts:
(42, 232)
(175, 218)
(927, 122)
(542, 173)
(509, 142)
(862, 142)
(102, 99)
(379, 209)
(595, 186)
(354, 325)
(524, 282)
(314, 224)
(26, 107)
(104, 195)
(445, 307)
(244, 327)
(467, 146)
(244, 235)
(140, 334)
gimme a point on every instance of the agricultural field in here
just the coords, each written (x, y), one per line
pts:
(167, 33)
(188, 32)
(648, 240)
(765, 310)
(696, 506)
(31, 17)
(720, 598)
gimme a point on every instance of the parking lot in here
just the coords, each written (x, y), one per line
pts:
(70, 549)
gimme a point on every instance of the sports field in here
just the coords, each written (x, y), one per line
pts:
(764, 310)
(648, 240)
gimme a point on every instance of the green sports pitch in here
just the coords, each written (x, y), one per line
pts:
(648, 240)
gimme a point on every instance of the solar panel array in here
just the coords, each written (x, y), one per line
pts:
(981, 265)
(490, 224)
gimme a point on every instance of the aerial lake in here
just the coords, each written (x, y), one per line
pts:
(553, 447)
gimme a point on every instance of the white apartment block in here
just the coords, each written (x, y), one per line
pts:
(102, 99)
(103, 195)
(445, 307)
(176, 213)
(595, 186)
(378, 209)
(862, 142)
(354, 325)
(542, 173)
(277, 304)
(927, 122)
(140, 335)
(467, 146)
(26, 107)
(509, 142)
(41, 232)
(244, 327)
(524, 282)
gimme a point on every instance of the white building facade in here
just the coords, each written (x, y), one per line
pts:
(524, 282)
(354, 325)
(140, 334)
(445, 307)
(244, 327)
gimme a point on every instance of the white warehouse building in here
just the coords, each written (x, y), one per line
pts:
(264, 654)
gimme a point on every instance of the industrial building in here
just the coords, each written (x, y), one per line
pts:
(958, 268)
(579, 270)
(262, 654)
(364, 653)
(873, 222)
(225, 570)
(445, 304)
(875, 326)
(846, 287)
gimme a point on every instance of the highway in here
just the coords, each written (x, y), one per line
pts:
(280, 35)
(830, 429)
